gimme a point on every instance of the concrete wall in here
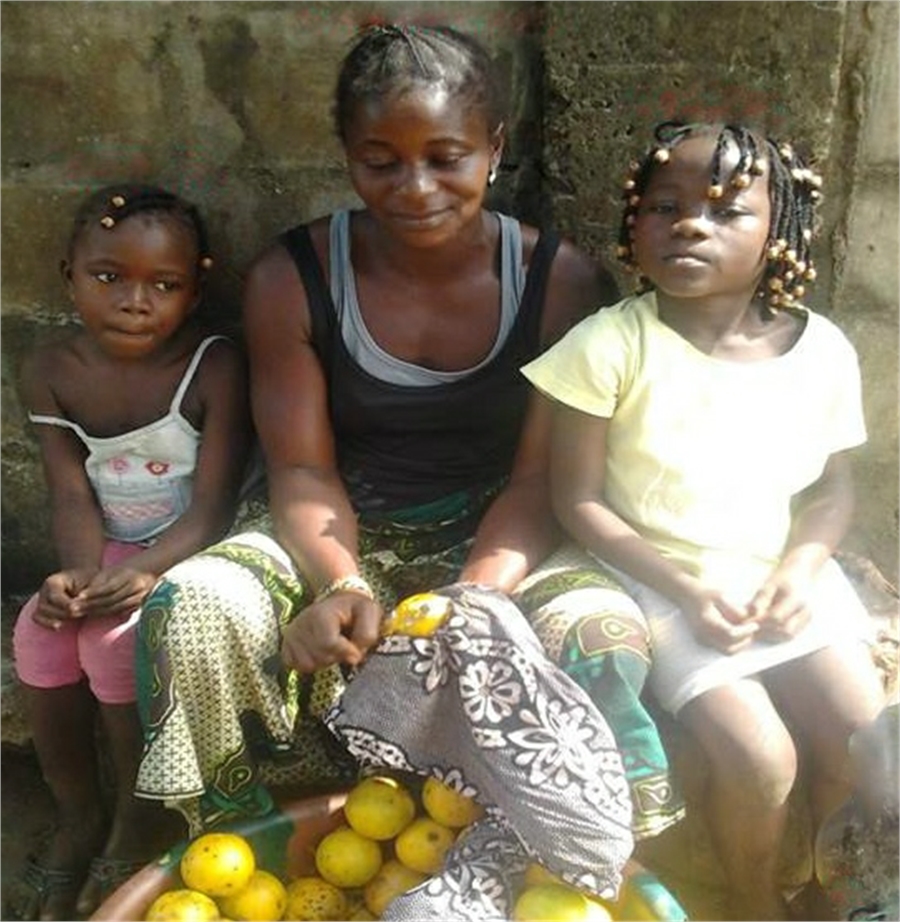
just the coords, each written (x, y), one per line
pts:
(823, 75)
(229, 103)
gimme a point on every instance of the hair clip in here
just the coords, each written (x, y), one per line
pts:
(108, 221)
(622, 252)
(117, 201)
(661, 155)
(206, 262)
(715, 191)
(758, 167)
(741, 181)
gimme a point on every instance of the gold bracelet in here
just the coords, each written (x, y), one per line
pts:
(351, 583)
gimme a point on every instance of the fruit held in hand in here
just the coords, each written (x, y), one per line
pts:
(218, 864)
(447, 806)
(182, 906)
(417, 615)
(379, 808)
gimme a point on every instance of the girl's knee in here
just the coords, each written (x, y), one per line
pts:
(767, 777)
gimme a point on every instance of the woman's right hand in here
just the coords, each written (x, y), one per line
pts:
(339, 629)
(57, 594)
(716, 622)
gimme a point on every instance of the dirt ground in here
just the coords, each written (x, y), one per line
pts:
(26, 814)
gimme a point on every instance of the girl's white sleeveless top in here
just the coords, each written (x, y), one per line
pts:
(143, 479)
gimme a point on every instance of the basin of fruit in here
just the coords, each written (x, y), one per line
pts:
(346, 856)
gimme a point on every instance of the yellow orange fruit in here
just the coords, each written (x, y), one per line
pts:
(379, 808)
(218, 864)
(447, 806)
(311, 899)
(182, 906)
(424, 844)
(347, 859)
(417, 615)
(557, 903)
(264, 899)
(393, 879)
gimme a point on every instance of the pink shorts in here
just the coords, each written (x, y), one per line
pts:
(100, 648)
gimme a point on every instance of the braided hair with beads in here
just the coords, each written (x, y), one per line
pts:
(794, 192)
(111, 205)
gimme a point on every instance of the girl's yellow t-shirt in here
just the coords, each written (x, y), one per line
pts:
(705, 455)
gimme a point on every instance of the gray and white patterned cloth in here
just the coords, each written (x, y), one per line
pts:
(479, 706)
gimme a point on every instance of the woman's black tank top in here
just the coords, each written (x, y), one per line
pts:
(402, 446)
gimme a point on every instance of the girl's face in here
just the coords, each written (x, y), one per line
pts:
(134, 284)
(420, 162)
(691, 246)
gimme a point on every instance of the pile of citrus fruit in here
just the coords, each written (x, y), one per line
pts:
(388, 842)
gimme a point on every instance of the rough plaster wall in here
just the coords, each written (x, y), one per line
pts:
(821, 74)
(228, 103)
(864, 296)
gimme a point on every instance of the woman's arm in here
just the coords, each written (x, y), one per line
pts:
(312, 514)
(519, 531)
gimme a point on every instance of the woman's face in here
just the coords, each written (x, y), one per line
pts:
(420, 162)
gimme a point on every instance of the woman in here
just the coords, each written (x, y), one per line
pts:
(404, 452)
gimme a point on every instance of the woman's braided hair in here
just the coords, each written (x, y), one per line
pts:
(794, 192)
(111, 205)
(389, 60)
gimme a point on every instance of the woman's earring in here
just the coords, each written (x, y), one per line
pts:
(492, 176)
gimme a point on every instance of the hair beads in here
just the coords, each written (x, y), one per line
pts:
(794, 191)
(112, 205)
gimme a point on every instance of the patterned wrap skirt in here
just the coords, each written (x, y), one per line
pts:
(479, 705)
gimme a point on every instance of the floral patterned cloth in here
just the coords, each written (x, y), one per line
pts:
(479, 706)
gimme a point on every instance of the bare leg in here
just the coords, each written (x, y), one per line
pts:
(753, 766)
(827, 696)
(62, 725)
(159, 828)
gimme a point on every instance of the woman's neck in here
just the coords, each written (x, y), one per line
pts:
(371, 245)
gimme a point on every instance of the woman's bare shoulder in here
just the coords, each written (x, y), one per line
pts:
(578, 284)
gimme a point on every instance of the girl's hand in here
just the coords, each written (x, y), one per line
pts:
(718, 623)
(339, 629)
(113, 591)
(780, 604)
(57, 594)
